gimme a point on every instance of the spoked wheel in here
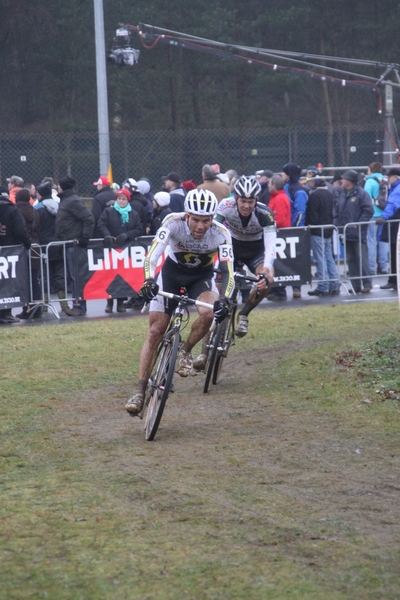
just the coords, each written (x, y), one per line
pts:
(226, 342)
(161, 385)
(214, 343)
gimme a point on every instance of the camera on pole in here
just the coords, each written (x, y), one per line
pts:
(121, 52)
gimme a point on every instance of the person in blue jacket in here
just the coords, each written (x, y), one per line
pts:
(378, 251)
(291, 173)
(391, 212)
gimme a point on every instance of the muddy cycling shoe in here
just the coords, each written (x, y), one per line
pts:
(242, 326)
(135, 404)
(199, 364)
(184, 363)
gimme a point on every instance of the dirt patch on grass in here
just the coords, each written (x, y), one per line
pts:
(337, 478)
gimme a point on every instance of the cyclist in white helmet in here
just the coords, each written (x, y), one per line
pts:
(253, 231)
(192, 240)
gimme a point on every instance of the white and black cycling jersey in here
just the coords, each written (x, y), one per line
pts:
(190, 255)
(260, 225)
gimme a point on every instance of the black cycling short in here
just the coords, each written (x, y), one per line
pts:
(249, 253)
(171, 279)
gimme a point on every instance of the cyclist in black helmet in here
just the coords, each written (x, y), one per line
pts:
(193, 240)
(253, 231)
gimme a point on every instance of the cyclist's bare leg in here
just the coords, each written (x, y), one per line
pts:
(259, 292)
(203, 322)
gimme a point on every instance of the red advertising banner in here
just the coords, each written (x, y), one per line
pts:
(112, 272)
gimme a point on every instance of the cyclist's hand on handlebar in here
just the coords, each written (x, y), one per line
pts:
(263, 281)
(149, 289)
(221, 309)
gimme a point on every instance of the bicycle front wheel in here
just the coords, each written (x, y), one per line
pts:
(225, 343)
(161, 386)
(214, 343)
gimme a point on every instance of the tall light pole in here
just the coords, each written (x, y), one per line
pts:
(389, 147)
(102, 102)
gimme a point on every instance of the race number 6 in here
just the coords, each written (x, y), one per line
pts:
(162, 235)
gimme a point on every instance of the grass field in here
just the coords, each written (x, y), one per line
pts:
(282, 482)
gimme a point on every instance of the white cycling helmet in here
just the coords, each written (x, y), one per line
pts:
(201, 202)
(130, 184)
(247, 187)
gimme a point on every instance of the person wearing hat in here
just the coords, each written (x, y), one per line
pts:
(14, 183)
(172, 184)
(12, 233)
(212, 184)
(391, 212)
(144, 187)
(73, 222)
(138, 201)
(119, 225)
(319, 211)
(354, 205)
(105, 196)
(263, 178)
(32, 224)
(47, 208)
(161, 205)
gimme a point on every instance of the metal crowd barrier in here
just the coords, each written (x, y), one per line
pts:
(45, 256)
(360, 250)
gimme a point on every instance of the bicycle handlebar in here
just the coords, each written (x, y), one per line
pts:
(246, 277)
(183, 299)
(186, 300)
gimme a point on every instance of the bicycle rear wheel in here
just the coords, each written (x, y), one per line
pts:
(214, 344)
(161, 386)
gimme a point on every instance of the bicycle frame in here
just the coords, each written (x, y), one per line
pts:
(161, 381)
(223, 337)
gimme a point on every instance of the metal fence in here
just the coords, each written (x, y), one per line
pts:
(153, 154)
(349, 276)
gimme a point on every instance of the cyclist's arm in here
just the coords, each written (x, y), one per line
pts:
(269, 234)
(158, 246)
(225, 255)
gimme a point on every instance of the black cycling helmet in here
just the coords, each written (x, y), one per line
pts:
(247, 187)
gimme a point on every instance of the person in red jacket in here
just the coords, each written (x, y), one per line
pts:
(279, 201)
(280, 205)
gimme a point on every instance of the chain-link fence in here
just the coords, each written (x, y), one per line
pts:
(155, 153)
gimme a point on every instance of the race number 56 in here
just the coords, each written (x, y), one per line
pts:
(225, 253)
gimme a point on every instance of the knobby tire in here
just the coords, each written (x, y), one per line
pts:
(213, 353)
(226, 341)
(161, 386)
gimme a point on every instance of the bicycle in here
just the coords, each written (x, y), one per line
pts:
(161, 381)
(222, 337)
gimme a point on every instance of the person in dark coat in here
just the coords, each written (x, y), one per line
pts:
(144, 187)
(354, 205)
(12, 233)
(138, 202)
(263, 178)
(161, 210)
(73, 222)
(47, 208)
(104, 197)
(119, 225)
(319, 211)
(32, 224)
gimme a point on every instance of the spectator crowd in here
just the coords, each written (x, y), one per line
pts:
(119, 214)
